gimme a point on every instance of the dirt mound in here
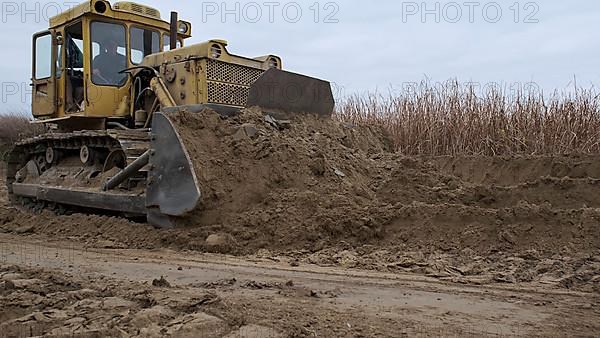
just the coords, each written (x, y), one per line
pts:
(311, 186)
(244, 162)
(281, 185)
(315, 183)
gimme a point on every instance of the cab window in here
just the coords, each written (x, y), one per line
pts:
(109, 50)
(43, 57)
(167, 42)
(143, 42)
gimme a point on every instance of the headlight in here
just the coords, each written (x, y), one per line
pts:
(216, 51)
(182, 28)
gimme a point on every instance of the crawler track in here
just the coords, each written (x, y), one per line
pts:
(63, 177)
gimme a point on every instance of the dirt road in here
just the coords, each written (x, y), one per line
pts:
(61, 287)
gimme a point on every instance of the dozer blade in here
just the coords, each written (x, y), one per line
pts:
(172, 189)
(285, 94)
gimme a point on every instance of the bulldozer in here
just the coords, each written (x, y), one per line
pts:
(105, 79)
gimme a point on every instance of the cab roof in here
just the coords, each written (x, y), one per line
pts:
(122, 11)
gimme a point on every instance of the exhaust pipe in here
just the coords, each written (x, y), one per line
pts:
(174, 28)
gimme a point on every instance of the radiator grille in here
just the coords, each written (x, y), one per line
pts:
(232, 73)
(229, 94)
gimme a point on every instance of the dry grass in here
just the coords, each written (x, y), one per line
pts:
(455, 119)
(14, 127)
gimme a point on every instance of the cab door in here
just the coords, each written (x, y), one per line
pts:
(43, 102)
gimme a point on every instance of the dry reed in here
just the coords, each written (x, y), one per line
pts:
(14, 127)
(456, 119)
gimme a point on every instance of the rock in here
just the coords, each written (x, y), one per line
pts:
(250, 130)
(246, 131)
(505, 278)
(32, 317)
(55, 315)
(107, 244)
(24, 230)
(347, 259)
(197, 325)
(82, 294)
(530, 255)
(254, 331)
(25, 283)
(279, 124)
(272, 121)
(147, 317)
(318, 167)
(117, 303)
(216, 239)
(240, 135)
(161, 283)
(7, 285)
(11, 276)
(284, 124)
(339, 173)
(508, 237)
(221, 243)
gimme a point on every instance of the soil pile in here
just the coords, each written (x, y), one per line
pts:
(331, 193)
(313, 184)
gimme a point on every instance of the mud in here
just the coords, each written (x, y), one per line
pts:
(329, 193)
(59, 289)
(47, 303)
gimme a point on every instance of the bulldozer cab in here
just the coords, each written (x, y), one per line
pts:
(78, 63)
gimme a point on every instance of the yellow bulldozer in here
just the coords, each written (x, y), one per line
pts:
(105, 79)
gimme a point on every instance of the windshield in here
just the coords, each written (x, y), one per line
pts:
(108, 53)
(143, 42)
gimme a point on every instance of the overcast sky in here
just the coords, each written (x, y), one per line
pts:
(362, 46)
